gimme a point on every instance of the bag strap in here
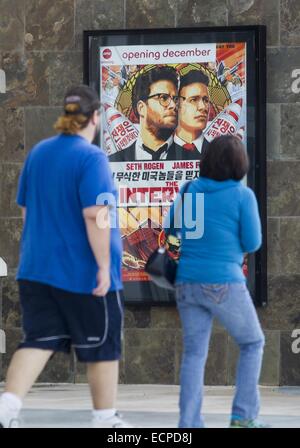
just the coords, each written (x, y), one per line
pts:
(184, 190)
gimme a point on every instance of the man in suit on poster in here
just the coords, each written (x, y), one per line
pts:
(154, 101)
(192, 115)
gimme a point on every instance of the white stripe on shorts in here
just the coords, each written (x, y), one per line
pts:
(53, 338)
(122, 314)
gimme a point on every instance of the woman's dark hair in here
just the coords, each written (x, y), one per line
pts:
(225, 158)
(141, 89)
(80, 102)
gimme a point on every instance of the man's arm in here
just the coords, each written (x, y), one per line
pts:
(98, 231)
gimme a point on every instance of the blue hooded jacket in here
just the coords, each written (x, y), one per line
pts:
(220, 222)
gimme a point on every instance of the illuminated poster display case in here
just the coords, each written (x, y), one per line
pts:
(147, 81)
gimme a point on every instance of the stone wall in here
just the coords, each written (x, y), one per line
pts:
(41, 54)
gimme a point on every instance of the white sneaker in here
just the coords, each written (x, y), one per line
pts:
(8, 418)
(115, 421)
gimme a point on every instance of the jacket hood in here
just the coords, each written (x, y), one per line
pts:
(207, 185)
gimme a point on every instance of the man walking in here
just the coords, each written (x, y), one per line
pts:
(70, 268)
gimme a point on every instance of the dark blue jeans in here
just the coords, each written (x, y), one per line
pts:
(231, 304)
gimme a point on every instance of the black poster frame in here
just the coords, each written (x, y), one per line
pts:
(147, 293)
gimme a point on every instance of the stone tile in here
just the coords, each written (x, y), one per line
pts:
(108, 15)
(12, 135)
(65, 70)
(273, 131)
(290, 131)
(12, 25)
(270, 366)
(27, 80)
(1, 189)
(49, 25)
(83, 20)
(8, 186)
(217, 326)
(149, 356)
(122, 363)
(201, 12)
(137, 317)
(290, 22)
(150, 14)
(283, 310)
(39, 124)
(11, 310)
(290, 361)
(59, 369)
(274, 254)
(97, 15)
(13, 339)
(10, 235)
(80, 373)
(178, 354)
(271, 360)
(1, 303)
(280, 64)
(162, 317)
(290, 246)
(250, 12)
(122, 374)
(216, 365)
(283, 188)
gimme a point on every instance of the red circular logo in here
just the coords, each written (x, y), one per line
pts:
(107, 53)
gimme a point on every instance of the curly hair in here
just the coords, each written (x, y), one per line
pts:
(80, 102)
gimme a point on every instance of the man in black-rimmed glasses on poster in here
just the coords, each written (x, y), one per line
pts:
(154, 101)
(193, 112)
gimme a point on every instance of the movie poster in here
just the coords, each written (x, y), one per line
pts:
(163, 104)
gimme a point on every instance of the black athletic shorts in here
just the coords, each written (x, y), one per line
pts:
(55, 319)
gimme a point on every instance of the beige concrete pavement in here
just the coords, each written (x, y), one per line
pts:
(151, 406)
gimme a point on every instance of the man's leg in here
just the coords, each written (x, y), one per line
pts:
(24, 368)
(100, 319)
(103, 380)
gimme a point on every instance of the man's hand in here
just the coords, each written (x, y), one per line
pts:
(99, 239)
(103, 283)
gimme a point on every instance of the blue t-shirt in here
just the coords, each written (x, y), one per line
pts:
(61, 176)
(228, 225)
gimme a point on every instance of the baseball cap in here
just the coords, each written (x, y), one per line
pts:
(81, 99)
